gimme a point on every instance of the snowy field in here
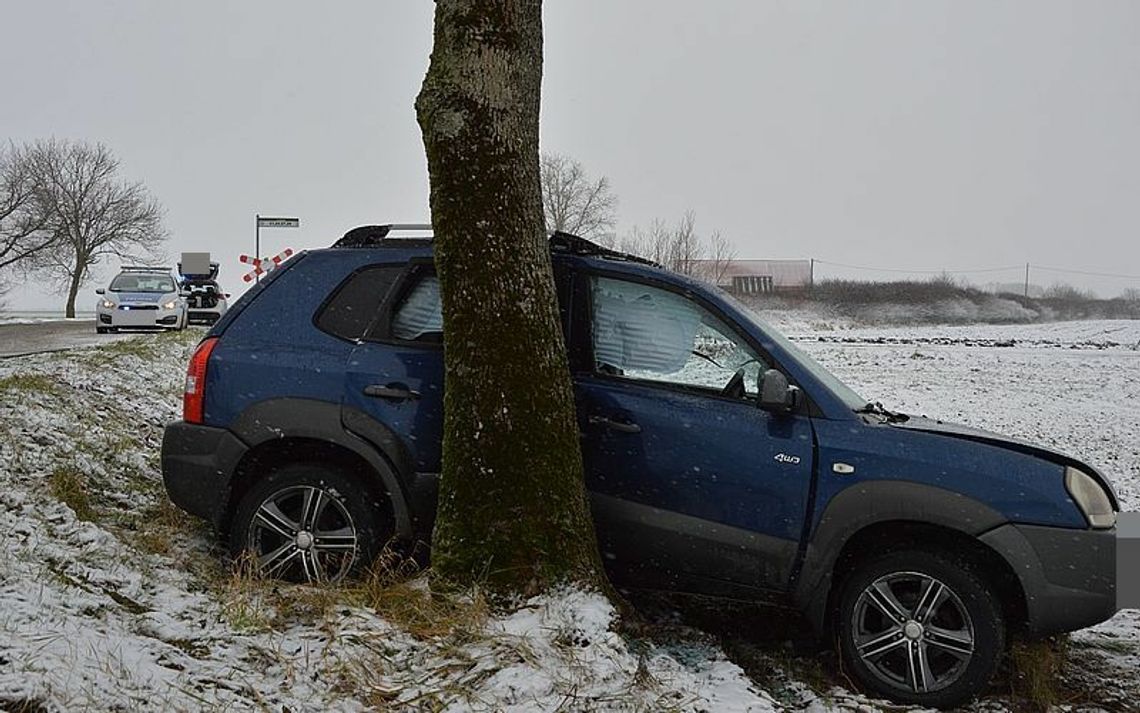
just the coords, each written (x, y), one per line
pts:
(112, 600)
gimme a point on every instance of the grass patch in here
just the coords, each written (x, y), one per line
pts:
(23, 705)
(422, 613)
(162, 529)
(69, 486)
(142, 348)
(245, 598)
(29, 384)
(390, 587)
(1035, 671)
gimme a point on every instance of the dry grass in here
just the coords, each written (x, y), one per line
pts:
(162, 529)
(29, 383)
(246, 598)
(69, 486)
(394, 589)
(1035, 671)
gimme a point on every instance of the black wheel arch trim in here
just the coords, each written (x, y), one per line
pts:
(1068, 575)
(862, 505)
(275, 419)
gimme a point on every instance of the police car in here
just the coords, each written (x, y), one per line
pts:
(140, 298)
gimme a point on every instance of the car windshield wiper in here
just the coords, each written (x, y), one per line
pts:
(707, 358)
(876, 408)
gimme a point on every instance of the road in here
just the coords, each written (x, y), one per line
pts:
(21, 339)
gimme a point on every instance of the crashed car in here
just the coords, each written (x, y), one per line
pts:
(720, 460)
(140, 298)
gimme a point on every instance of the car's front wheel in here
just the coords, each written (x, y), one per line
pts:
(920, 627)
(308, 522)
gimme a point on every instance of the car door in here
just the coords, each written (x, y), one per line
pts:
(693, 486)
(393, 391)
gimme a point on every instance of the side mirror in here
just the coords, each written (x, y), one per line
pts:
(100, 291)
(775, 392)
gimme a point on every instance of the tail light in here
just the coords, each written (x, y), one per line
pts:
(194, 398)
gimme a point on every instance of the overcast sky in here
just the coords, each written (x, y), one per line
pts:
(906, 135)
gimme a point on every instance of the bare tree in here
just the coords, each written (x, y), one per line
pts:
(91, 212)
(684, 246)
(512, 508)
(680, 248)
(1131, 294)
(719, 255)
(22, 218)
(575, 203)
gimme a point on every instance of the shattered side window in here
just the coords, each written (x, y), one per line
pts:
(643, 332)
(420, 316)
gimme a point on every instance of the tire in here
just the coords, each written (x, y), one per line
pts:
(345, 530)
(957, 642)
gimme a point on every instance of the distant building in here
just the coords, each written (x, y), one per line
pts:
(750, 277)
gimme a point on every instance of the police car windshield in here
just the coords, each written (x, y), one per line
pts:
(135, 282)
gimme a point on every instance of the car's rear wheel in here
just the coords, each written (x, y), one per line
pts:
(308, 522)
(920, 627)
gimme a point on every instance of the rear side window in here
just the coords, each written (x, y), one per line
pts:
(419, 316)
(356, 301)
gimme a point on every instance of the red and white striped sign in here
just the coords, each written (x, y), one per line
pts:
(264, 264)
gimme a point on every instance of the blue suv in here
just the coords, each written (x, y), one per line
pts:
(720, 460)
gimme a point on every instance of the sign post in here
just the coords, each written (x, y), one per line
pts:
(270, 222)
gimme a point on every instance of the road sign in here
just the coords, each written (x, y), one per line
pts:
(263, 222)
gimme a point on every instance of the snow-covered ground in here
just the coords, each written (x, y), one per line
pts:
(112, 600)
(37, 317)
(116, 602)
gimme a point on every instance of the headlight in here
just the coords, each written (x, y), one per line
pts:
(1090, 498)
(108, 304)
(170, 305)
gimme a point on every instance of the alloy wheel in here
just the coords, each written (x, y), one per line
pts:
(303, 533)
(913, 632)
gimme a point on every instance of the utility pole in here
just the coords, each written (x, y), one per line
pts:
(811, 275)
(1026, 279)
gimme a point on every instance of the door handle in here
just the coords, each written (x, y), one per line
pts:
(620, 426)
(393, 392)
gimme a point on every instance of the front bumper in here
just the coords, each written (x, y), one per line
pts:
(1070, 577)
(198, 465)
(137, 316)
(203, 316)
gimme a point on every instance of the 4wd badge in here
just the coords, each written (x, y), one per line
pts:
(785, 458)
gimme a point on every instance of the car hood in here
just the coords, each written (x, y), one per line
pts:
(957, 430)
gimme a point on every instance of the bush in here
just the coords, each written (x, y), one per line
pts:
(941, 300)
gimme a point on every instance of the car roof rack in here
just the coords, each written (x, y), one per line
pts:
(374, 236)
(144, 268)
(574, 245)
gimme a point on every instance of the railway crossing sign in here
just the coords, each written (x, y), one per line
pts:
(264, 264)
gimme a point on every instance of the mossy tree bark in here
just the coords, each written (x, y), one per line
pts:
(512, 509)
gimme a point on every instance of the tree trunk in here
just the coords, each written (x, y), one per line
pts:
(73, 287)
(512, 514)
